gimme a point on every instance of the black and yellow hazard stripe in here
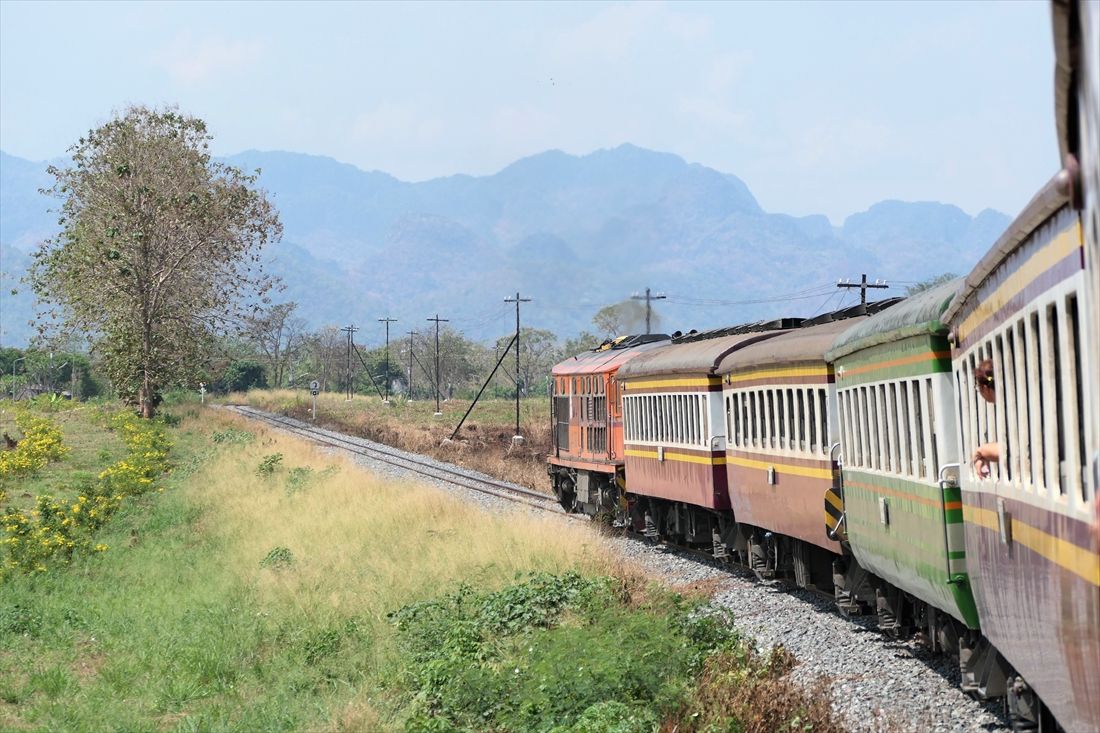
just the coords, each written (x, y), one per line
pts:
(834, 511)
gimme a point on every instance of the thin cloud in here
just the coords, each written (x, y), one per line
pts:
(619, 30)
(193, 61)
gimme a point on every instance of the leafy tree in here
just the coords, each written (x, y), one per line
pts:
(624, 317)
(159, 247)
(538, 352)
(930, 283)
(243, 375)
(584, 341)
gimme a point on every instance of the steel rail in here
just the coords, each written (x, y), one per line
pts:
(491, 487)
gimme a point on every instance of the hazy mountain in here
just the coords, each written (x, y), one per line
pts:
(575, 233)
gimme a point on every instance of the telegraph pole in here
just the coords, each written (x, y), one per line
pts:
(647, 297)
(411, 334)
(863, 285)
(387, 320)
(349, 330)
(437, 320)
(517, 438)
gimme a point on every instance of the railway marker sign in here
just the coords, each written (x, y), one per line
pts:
(314, 388)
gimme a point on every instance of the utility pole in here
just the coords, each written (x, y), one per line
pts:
(387, 320)
(863, 285)
(349, 329)
(517, 438)
(437, 320)
(647, 297)
(411, 334)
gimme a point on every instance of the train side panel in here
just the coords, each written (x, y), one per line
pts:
(1030, 533)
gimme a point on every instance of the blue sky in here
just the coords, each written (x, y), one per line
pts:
(820, 107)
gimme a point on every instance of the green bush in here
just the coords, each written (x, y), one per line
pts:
(553, 654)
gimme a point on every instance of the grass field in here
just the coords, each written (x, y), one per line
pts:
(273, 587)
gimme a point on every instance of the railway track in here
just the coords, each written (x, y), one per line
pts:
(429, 468)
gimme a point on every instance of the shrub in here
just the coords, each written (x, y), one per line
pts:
(553, 654)
(41, 444)
(269, 464)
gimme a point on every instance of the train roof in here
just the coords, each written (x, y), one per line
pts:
(918, 314)
(808, 343)
(609, 355)
(1052, 197)
(692, 356)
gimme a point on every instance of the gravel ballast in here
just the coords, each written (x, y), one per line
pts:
(877, 684)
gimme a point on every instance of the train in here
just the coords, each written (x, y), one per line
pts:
(933, 461)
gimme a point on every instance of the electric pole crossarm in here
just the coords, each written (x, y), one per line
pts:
(863, 285)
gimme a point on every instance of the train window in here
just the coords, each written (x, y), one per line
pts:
(800, 419)
(733, 404)
(781, 418)
(1011, 387)
(928, 391)
(728, 404)
(680, 423)
(1018, 343)
(918, 425)
(697, 424)
(1073, 384)
(823, 419)
(1001, 428)
(746, 424)
(853, 409)
(885, 446)
(1054, 374)
(811, 419)
(1035, 403)
(765, 427)
(847, 438)
(905, 434)
(752, 418)
(704, 431)
(788, 409)
(769, 397)
(695, 403)
(891, 393)
(666, 418)
(873, 428)
(630, 412)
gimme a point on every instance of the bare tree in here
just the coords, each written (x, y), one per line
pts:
(159, 247)
(278, 335)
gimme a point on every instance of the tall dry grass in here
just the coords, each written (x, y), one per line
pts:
(364, 545)
(484, 443)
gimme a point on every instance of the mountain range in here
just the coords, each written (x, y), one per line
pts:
(573, 233)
